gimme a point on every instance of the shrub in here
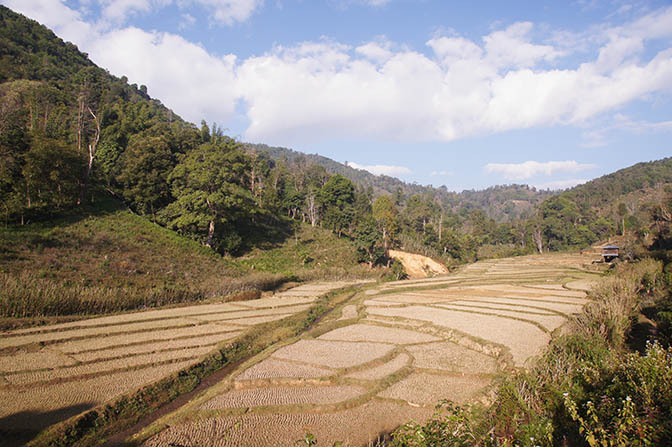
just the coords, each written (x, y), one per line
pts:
(615, 301)
(632, 404)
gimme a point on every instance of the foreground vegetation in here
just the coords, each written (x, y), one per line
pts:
(589, 388)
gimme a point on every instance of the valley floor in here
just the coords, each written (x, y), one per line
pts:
(387, 357)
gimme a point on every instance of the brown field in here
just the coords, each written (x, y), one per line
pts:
(50, 373)
(382, 371)
(272, 368)
(415, 343)
(421, 388)
(367, 332)
(333, 354)
(386, 357)
(284, 395)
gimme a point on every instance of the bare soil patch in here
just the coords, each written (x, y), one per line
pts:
(284, 429)
(524, 340)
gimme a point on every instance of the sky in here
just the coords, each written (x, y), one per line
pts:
(466, 94)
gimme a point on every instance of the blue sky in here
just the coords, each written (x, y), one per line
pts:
(462, 94)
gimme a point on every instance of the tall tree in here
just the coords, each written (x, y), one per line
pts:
(211, 190)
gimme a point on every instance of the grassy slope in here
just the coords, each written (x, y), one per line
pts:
(107, 259)
(312, 253)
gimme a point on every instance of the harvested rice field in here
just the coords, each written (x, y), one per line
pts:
(50, 373)
(387, 357)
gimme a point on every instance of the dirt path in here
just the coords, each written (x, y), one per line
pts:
(50, 373)
(387, 357)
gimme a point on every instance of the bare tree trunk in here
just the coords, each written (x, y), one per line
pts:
(536, 235)
(92, 153)
(440, 225)
(312, 210)
(211, 234)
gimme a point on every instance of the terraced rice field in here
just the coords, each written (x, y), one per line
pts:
(387, 357)
(50, 373)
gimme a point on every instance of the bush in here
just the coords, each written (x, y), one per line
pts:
(616, 300)
(631, 404)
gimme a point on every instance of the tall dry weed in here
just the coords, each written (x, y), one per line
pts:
(616, 300)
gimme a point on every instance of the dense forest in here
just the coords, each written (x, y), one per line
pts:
(71, 133)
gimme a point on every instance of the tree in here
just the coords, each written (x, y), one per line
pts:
(147, 163)
(337, 197)
(368, 240)
(210, 188)
(387, 217)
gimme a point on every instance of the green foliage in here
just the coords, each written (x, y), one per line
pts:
(210, 194)
(632, 403)
(337, 196)
(369, 242)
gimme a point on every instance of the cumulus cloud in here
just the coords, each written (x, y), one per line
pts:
(311, 91)
(382, 169)
(529, 169)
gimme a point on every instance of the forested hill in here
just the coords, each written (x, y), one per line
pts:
(602, 192)
(70, 133)
(503, 203)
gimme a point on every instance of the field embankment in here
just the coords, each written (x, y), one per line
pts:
(50, 373)
(388, 356)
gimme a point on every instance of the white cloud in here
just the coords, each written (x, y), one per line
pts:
(230, 11)
(377, 2)
(378, 90)
(196, 85)
(187, 21)
(118, 10)
(529, 169)
(382, 169)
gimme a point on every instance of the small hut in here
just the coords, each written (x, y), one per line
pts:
(610, 252)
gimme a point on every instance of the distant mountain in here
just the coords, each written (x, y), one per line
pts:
(502, 203)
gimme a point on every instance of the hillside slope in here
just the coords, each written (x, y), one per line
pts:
(502, 203)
